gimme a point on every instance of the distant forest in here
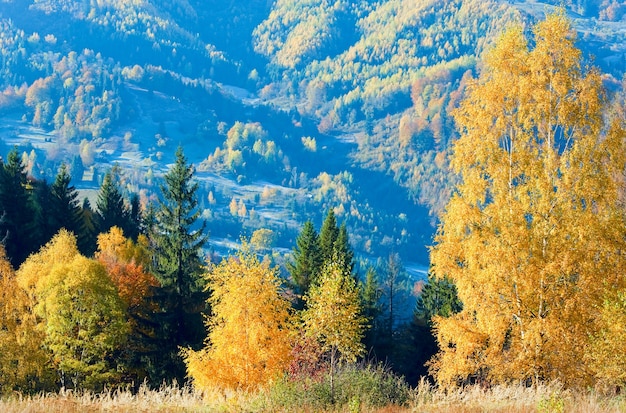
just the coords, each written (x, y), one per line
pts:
(286, 108)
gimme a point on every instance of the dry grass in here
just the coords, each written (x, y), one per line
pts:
(425, 398)
(548, 398)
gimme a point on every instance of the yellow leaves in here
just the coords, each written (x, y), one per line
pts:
(333, 315)
(608, 354)
(532, 236)
(249, 330)
(21, 357)
(79, 312)
(61, 249)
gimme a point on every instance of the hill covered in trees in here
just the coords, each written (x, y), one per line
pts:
(374, 121)
(287, 108)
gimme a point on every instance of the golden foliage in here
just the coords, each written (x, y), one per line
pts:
(333, 315)
(61, 249)
(249, 330)
(607, 355)
(21, 357)
(533, 235)
(78, 311)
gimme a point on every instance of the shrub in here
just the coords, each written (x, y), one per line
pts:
(357, 387)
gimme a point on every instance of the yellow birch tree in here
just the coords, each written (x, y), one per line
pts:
(78, 311)
(334, 316)
(23, 362)
(533, 236)
(249, 329)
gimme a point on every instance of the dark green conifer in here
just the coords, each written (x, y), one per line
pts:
(110, 208)
(307, 257)
(328, 235)
(371, 293)
(18, 229)
(342, 248)
(134, 218)
(88, 232)
(64, 206)
(179, 239)
(438, 298)
(46, 223)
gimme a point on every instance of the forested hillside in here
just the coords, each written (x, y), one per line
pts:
(289, 108)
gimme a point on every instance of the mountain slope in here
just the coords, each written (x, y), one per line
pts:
(287, 108)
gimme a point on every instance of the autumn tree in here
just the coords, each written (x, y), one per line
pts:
(249, 340)
(23, 361)
(334, 316)
(127, 264)
(78, 310)
(178, 238)
(84, 322)
(263, 239)
(533, 235)
(607, 355)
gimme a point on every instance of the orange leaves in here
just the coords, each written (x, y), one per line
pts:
(125, 262)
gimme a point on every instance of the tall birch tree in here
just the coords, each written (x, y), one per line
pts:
(534, 234)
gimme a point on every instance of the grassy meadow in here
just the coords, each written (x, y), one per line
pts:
(424, 398)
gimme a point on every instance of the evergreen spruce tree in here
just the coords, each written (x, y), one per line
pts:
(17, 209)
(111, 210)
(307, 259)
(342, 248)
(44, 217)
(179, 240)
(64, 207)
(328, 235)
(437, 298)
(148, 227)
(371, 293)
(87, 232)
(134, 218)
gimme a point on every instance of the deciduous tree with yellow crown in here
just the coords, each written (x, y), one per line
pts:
(249, 341)
(534, 235)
